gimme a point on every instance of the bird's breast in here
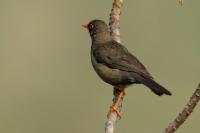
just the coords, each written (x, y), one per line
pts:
(109, 75)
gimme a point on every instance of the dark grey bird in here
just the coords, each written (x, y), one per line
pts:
(115, 64)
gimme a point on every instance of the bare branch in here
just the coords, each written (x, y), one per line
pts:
(115, 32)
(179, 120)
(114, 20)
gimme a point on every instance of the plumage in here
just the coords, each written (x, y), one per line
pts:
(117, 56)
(115, 64)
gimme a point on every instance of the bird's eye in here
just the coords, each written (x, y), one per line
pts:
(91, 26)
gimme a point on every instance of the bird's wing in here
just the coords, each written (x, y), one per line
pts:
(116, 56)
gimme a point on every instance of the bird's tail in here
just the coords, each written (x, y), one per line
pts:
(155, 87)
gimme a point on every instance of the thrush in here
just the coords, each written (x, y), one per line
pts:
(115, 64)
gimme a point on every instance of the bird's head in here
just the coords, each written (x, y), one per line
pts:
(95, 27)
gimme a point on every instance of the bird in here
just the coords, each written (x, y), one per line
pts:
(115, 64)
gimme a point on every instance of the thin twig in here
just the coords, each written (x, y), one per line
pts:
(115, 32)
(179, 120)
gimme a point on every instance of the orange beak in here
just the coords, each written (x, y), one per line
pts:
(85, 25)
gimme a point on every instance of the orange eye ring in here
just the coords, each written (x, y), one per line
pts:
(91, 26)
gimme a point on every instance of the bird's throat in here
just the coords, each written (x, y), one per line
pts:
(101, 37)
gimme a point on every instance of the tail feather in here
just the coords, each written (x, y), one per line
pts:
(155, 87)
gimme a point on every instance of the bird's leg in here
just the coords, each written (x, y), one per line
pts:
(118, 96)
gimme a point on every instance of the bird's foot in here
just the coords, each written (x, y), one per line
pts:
(115, 107)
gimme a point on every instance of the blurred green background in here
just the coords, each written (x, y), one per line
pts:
(48, 85)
